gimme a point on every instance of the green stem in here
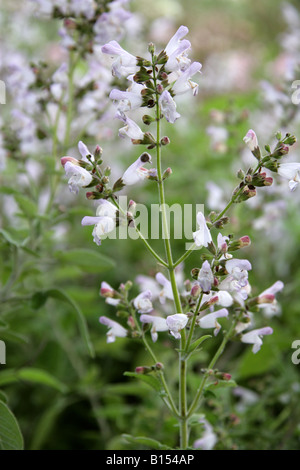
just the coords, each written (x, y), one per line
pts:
(212, 363)
(141, 236)
(166, 236)
(185, 255)
(170, 403)
(190, 337)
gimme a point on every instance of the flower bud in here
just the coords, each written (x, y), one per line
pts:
(241, 174)
(280, 150)
(247, 193)
(195, 273)
(151, 48)
(290, 139)
(147, 119)
(165, 140)
(98, 152)
(72, 160)
(143, 370)
(261, 179)
(131, 322)
(159, 88)
(195, 291)
(159, 366)
(167, 173)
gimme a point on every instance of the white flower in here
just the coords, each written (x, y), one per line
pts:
(103, 225)
(158, 324)
(202, 236)
(224, 298)
(205, 277)
(125, 64)
(131, 129)
(166, 292)
(78, 176)
(210, 320)
(222, 245)
(115, 329)
(178, 59)
(84, 152)
(250, 140)
(168, 107)
(136, 171)
(183, 83)
(106, 209)
(254, 337)
(270, 308)
(143, 302)
(175, 40)
(148, 283)
(290, 171)
(176, 323)
(208, 439)
(239, 268)
(129, 99)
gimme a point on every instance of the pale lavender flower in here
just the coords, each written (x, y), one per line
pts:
(273, 308)
(205, 277)
(208, 439)
(168, 107)
(143, 303)
(166, 292)
(223, 296)
(126, 63)
(250, 140)
(115, 329)
(176, 323)
(221, 241)
(202, 237)
(183, 82)
(158, 324)
(254, 337)
(78, 177)
(129, 99)
(103, 225)
(136, 171)
(210, 320)
(178, 58)
(131, 129)
(290, 171)
(239, 268)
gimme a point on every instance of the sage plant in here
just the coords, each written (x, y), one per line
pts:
(216, 299)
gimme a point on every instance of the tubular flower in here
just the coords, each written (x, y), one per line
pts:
(202, 236)
(115, 329)
(158, 324)
(254, 337)
(210, 320)
(143, 302)
(176, 323)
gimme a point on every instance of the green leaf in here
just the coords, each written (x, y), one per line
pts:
(88, 260)
(3, 397)
(146, 441)
(27, 206)
(39, 299)
(10, 434)
(220, 384)
(42, 377)
(197, 343)
(148, 379)
(13, 237)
